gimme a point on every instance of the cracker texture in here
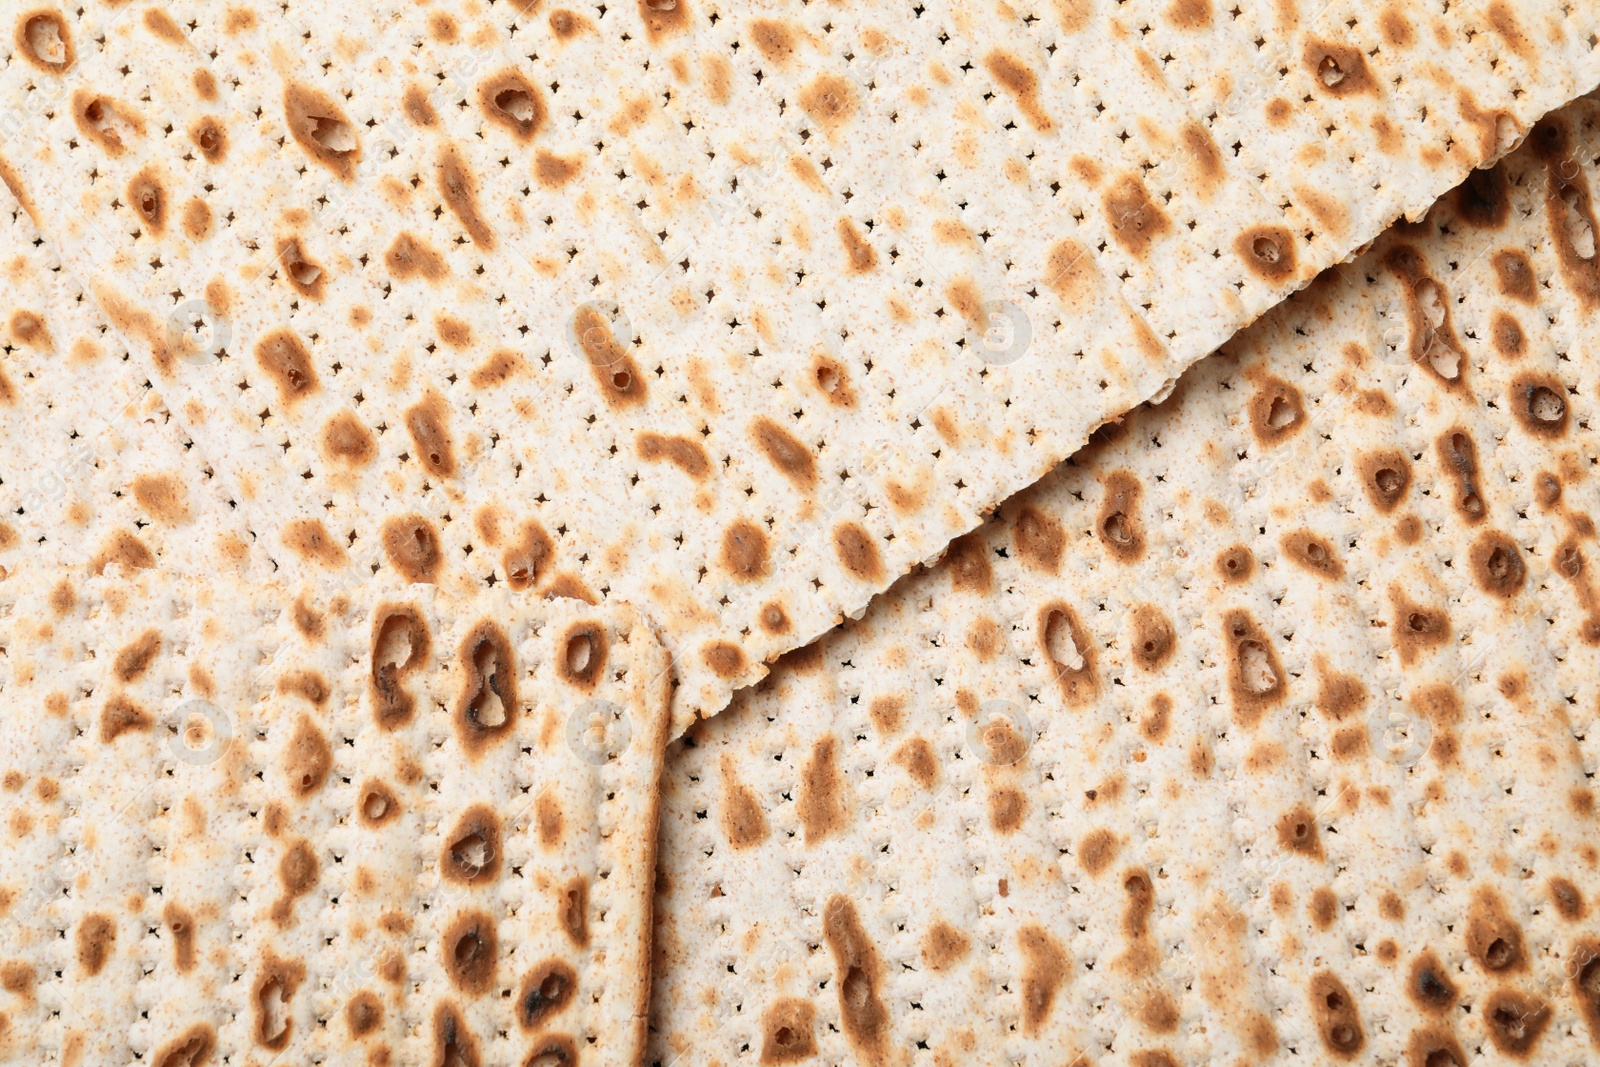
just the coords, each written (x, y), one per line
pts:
(1261, 731)
(735, 312)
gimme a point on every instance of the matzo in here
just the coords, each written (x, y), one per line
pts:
(1263, 731)
(297, 825)
(732, 311)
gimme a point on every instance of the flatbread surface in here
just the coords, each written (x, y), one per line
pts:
(1261, 731)
(735, 312)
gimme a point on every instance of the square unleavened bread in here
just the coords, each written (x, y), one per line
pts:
(1262, 731)
(733, 311)
(254, 824)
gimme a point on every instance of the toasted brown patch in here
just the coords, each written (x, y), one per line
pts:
(1312, 553)
(347, 441)
(858, 552)
(614, 370)
(1152, 640)
(134, 658)
(310, 540)
(472, 852)
(1070, 651)
(1338, 70)
(830, 100)
(513, 103)
(1118, 525)
(943, 945)
(821, 802)
(1044, 971)
(1276, 410)
(320, 128)
(545, 990)
(487, 706)
(584, 651)
(468, 949)
(44, 39)
(95, 939)
(1415, 629)
(459, 187)
(409, 256)
(857, 975)
(307, 759)
(1335, 1013)
(287, 361)
(1256, 679)
(1268, 252)
(120, 716)
(967, 560)
(1385, 476)
(1014, 76)
(1497, 565)
(1137, 221)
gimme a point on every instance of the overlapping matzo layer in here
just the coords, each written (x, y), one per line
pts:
(734, 311)
(266, 826)
(1263, 731)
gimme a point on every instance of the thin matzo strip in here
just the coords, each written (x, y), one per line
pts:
(733, 311)
(1263, 731)
(255, 825)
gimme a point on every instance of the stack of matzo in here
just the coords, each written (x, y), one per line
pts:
(733, 311)
(1262, 731)
(363, 368)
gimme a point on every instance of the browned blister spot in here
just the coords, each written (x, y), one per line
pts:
(180, 924)
(773, 39)
(1515, 1021)
(1277, 410)
(123, 549)
(1014, 76)
(1339, 70)
(134, 658)
(363, 1014)
(417, 108)
(788, 1027)
(1337, 1022)
(307, 759)
(1038, 539)
(1506, 334)
(1434, 1046)
(743, 822)
(724, 658)
(472, 854)
(304, 274)
(411, 546)
(744, 551)
(196, 219)
(147, 195)
(487, 706)
(320, 128)
(553, 171)
(1313, 553)
(1458, 455)
(1583, 969)
(192, 1047)
(967, 560)
(1044, 971)
(514, 103)
(1514, 275)
(468, 949)
(28, 328)
(830, 100)
(409, 257)
(943, 945)
(1236, 564)
(377, 804)
(159, 23)
(1070, 652)
(1493, 936)
(287, 361)
(401, 643)
(832, 381)
(346, 441)
(210, 136)
(567, 24)
(94, 939)
(1268, 252)
(428, 423)
(821, 801)
(310, 540)
(1256, 678)
(1007, 808)
(858, 552)
(857, 974)
(583, 654)
(1429, 985)
(104, 121)
(453, 1043)
(1297, 832)
(1205, 159)
(459, 187)
(613, 368)
(544, 991)
(1433, 344)
(1385, 476)
(1152, 640)
(305, 683)
(1539, 404)
(663, 19)
(1415, 628)
(1136, 220)
(572, 910)
(1118, 525)
(860, 256)
(120, 716)
(526, 561)
(1570, 211)
(685, 453)
(44, 39)
(1497, 564)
